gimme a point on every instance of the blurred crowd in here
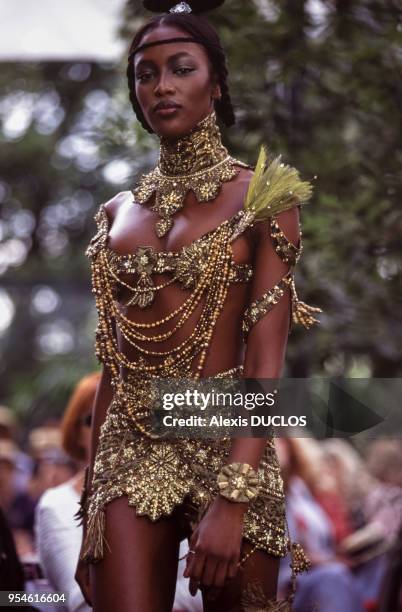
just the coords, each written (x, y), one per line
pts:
(343, 505)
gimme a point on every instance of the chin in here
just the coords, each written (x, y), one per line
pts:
(172, 133)
(173, 128)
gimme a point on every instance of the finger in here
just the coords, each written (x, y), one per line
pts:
(190, 557)
(192, 541)
(195, 566)
(221, 574)
(193, 587)
(208, 575)
(233, 568)
(194, 571)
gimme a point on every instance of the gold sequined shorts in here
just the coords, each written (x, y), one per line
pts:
(157, 476)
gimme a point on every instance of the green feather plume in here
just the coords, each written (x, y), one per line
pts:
(274, 188)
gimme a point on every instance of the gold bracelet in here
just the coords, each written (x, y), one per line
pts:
(238, 482)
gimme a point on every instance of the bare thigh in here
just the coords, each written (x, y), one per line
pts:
(255, 584)
(139, 570)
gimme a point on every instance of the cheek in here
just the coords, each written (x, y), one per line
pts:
(140, 93)
(201, 86)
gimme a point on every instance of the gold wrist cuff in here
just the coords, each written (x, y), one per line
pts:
(238, 482)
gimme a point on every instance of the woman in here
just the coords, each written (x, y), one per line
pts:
(185, 269)
(58, 535)
(330, 585)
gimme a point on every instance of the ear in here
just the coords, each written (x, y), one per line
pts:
(218, 93)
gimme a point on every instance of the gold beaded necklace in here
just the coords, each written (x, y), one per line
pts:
(196, 162)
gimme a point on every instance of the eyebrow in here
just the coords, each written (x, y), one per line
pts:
(171, 58)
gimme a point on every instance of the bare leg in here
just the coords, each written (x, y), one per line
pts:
(258, 579)
(138, 573)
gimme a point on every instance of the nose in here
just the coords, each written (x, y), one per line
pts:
(164, 86)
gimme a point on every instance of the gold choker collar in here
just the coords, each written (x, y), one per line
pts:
(196, 162)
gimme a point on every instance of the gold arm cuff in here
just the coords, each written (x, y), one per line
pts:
(263, 305)
(284, 248)
(238, 482)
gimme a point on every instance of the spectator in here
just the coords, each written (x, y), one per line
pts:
(58, 534)
(329, 586)
(23, 462)
(384, 460)
(11, 570)
(18, 506)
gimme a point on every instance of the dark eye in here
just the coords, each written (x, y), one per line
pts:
(144, 76)
(183, 70)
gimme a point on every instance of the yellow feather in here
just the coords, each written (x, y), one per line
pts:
(275, 187)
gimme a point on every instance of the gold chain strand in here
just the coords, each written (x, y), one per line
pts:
(215, 283)
(158, 323)
(190, 349)
(154, 324)
(197, 295)
(187, 312)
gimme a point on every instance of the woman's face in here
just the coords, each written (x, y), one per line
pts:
(174, 83)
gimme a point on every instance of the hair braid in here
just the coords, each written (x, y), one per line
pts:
(224, 106)
(200, 28)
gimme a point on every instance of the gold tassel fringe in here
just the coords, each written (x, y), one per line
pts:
(93, 549)
(301, 312)
(300, 561)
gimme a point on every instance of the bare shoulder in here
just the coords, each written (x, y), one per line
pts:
(113, 205)
(240, 186)
(288, 221)
(245, 175)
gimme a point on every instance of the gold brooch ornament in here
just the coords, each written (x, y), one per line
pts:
(238, 482)
(144, 265)
(197, 162)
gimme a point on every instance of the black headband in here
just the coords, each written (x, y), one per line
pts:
(168, 41)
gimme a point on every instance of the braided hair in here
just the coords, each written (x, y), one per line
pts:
(199, 28)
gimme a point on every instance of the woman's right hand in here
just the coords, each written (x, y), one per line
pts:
(82, 576)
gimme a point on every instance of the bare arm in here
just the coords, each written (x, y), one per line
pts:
(103, 398)
(267, 339)
(217, 539)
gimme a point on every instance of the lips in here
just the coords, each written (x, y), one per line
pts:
(166, 107)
